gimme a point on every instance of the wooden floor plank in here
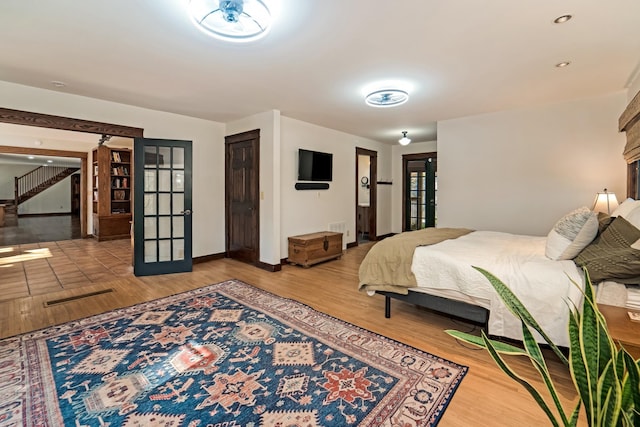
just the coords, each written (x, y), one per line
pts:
(485, 397)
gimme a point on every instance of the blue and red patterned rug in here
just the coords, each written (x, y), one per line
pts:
(225, 355)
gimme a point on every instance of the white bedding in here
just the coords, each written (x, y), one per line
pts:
(543, 285)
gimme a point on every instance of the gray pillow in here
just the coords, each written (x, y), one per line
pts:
(610, 256)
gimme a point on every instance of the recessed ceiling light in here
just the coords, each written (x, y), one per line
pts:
(30, 157)
(562, 19)
(387, 98)
(49, 161)
(58, 83)
(563, 64)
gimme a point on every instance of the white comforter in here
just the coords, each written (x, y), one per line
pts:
(544, 286)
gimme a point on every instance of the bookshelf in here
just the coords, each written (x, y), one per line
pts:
(112, 180)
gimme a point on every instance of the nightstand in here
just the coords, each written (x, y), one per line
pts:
(622, 329)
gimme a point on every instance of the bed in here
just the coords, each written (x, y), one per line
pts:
(433, 268)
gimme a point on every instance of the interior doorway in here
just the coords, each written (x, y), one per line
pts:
(366, 195)
(242, 202)
(419, 189)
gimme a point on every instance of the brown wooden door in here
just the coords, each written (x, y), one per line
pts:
(242, 154)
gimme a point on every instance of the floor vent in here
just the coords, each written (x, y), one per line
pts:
(339, 227)
(76, 297)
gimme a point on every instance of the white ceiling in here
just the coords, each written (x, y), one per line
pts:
(461, 57)
(37, 160)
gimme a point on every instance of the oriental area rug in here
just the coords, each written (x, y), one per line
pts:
(224, 355)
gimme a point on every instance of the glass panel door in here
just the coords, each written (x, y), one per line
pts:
(162, 208)
(420, 197)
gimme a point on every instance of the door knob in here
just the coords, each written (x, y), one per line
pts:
(186, 212)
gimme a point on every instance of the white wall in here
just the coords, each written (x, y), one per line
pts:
(308, 211)
(520, 170)
(207, 137)
(397, 152)
(269, 125)
(8, 173)
(55, 199)
(634, 86)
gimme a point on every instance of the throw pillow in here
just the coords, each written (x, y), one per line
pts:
(603, 221)
(633, 217)
(572, 233)
(625, 207)
(611, 256)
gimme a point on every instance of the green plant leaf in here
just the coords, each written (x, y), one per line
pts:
(537, 358)
(631, 385)
(516, 307)
(511, 373)
(578, 368)
(499, 346)
(609, 396)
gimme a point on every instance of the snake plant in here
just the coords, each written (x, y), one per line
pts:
(606, 378)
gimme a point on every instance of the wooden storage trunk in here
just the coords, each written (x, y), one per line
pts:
(309, 249)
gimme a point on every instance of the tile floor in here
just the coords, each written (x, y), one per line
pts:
(39, 268)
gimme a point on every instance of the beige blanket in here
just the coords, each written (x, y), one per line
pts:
(387, 266)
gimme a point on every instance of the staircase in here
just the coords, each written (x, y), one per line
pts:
(38, 180)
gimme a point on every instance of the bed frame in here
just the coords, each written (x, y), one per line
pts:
(458, 309)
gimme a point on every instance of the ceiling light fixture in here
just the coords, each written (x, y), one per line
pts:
(231, 20)
(562, 19)
(404, 140)
(563, 64)
(30, 157)
(387, 98)
(58, 83)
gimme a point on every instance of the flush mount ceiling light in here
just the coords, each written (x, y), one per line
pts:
(562, 19)
(231, 20)
(387, 98)
(404, 140)
(563, 64)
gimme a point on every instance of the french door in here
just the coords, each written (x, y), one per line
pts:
(420, 186)
(162, 206)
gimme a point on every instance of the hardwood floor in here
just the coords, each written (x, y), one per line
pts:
(485, 397)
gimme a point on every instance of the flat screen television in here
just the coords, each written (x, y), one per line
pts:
(314, 166)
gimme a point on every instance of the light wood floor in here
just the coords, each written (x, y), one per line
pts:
(486, 397)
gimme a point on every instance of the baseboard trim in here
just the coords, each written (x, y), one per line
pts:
(384, 236)
(352, 245)
(207, 258)
(269, 267)
(45, 214)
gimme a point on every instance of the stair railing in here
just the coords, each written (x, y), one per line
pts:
(36, 178)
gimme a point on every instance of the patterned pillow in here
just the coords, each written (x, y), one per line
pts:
(571, 234)
(611, 256)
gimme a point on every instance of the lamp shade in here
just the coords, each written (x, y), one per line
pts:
(605, 202)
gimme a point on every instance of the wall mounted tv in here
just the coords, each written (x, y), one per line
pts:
(314, 166)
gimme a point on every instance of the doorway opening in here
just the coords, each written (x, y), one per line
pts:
(366, 195)
(419, 187)
(242, 202)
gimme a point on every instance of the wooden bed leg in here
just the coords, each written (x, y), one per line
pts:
(387, 306)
